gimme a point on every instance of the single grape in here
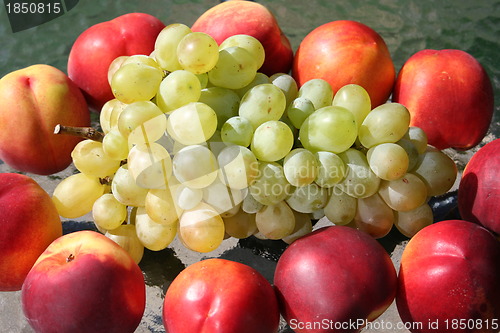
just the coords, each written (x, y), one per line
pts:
(260, 78)
(167, 41)
(197, 52)
(360, 181)
(125, 189)
(187, 198)
(74, 196)
(237, 131)
(153, 236)
(221, 197)
(287, 84)
(150, 165)
(249, 43)
(235, 68)
(354, 98)
(240, 225)
(238, 167)
(262, 103)
(418, 137)
(178, 89)
(331, 169)
(303, 226)
(388, 161)
(115, 145)
(114, 66)
(272, 141)
(195, 166)
(374, 216)
(141, 59)
(300, 167)
(410, 222)
(160, 206)
(332, 128)
(318, 91)
(192, 124)
(142, 122)
(136, 82)
(108, 213)
(89, 158)
(276, 221)
(110, 111)
(250, 205)
(411, 151)
(225, 102)
(270, 186)
(308, 198)
(437, 170)
(404, 194)
(386, 123)
(298, 110)
(340, 208)
(126, 236)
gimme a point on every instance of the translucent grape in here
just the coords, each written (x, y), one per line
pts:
(240, 225)
(195, 166)
(141, 59)
(287, 84)
(340, 208)
(203, 78)
(410, 222)
(150, 165)
(360, 181)
(178, 89)
(160, 206)
(126, 236)
(249, 43)
(250, 205)
(115, 145)
(89, 158)
(272, 141)
(110, 111)
(260, 78)
(238, 167)
(201, 228)
(222, 198)
(187, 198)
(303, 226)
(238, 131)
(404, 194)
(331, 128)
(374, 216)
(74, 196)
(354, 98)
(386, 123)
(125, 189)
(276, 221)
(300, 167)
(153, 236)
(308, 198)
(418, 137)
(298, 110)
(108, 213)
(167, 41)
(192, 124)
(225, 103)
(142, 122)
(388, 161)
(271, 186)
(136, 82)
(262, 103)
(331, 169)
(411, 151)
(318, 91)
(114, 66)
(197, 52)
(437, 170)
(235, 68)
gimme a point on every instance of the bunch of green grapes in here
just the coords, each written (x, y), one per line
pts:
(201, 146)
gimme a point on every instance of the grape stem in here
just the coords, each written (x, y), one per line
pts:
(83, 132)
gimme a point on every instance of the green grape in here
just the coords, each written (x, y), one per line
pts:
(404, 194)
(340, 208)
(385, 124)
(141, 59)
(153, 236)
(197, 52)
(74, 196)
(260, 78)
(318, 91)
(249, 43)
(418, 137)
(359, 181)
(195, 166)
(272, 141)
(126, 236)
(300, 167)
(187, 198)
(221, 197)
(108, 213)
(89, 158)
(142, 122)
(114, 66)
(262, 103)
(411, 151)
(389, 161)
(136, 82)
(437, 170)
(203, 78)
(201, 229)
(225, 102)
(240, 225)
(287, 84)
(238, 167)
(410, 222)
(150, 165)
(332, 128)
(270, 186)
(125, 189)
(331, 169)
(178, 89)
(250, 205)
(237, 131)
(374, 216)
(308, 198)
(110, 111)
(167, 41)
(354, 98)
(235, 68)
(298, 111)
(276, 221)
(160, 206)
(192, 124)
(303, 226)
(115, 145)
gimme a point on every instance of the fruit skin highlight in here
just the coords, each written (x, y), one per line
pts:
(33, 100)
(449, 272)
(29, 222)
(96, 47)
(250, 18)
(343, 52)
(449, 95)
(84, 282)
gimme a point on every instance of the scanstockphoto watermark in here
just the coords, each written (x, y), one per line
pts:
(354, 324)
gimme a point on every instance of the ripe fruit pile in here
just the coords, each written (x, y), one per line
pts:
(199, 144)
